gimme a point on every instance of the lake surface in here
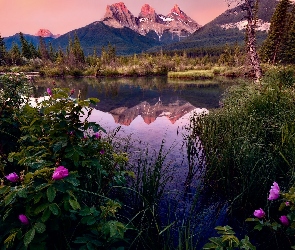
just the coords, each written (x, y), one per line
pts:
(148, 111)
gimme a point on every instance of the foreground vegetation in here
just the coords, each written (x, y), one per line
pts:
(61, 173)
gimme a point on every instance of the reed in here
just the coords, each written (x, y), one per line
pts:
(249, 143)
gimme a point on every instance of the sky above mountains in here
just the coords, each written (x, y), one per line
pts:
(61, 16)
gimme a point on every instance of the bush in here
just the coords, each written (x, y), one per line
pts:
(56, 195)
(250, 141)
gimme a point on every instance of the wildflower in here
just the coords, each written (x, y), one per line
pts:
(259, 213)
(287, 203)
(102, 151)
(284, 220)
(97, 135)
(24, 219)
(60, 173)
(72, 92)
(13, 177)
(49, 92)
(274, 192)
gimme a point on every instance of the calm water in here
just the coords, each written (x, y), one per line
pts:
(150, 111)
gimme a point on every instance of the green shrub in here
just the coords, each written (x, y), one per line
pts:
(43, 207)
(250, 141)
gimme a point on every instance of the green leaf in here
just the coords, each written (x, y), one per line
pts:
(51, 193)
(46, 214)
(22, 193)
(4, 189)
(40, 227)
(9, 198)
(10, 240)
(37, 197)
(258, 227)
(74, 204)
(89, 220)
(41, 208)
(54, 208)
(90, 246)
(29, 236)
(73, 180)
(93, 100)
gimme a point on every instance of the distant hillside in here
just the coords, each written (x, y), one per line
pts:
(227, 28)
(30, 38)
(97, 35)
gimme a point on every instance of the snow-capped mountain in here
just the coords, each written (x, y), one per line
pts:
(176, 23)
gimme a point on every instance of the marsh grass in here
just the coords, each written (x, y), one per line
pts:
(192, 74)
(249, 143)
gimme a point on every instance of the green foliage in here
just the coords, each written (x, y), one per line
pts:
(244, 141)
(54, 131)
(228, 240)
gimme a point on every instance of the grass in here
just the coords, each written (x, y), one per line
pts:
(192, 74)
(249, 143)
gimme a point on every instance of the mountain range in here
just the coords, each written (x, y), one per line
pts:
(150, 31)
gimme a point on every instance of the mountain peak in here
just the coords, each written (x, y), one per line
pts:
(117, 15)
(176, 9)
(44, 33)
(120, 6)
(146, 9)
(147, 12)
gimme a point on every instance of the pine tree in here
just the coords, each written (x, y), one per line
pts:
(2, 51)
(33, 50)
(78, 51)
(25, 47)
(15, 55)
(42, 49)
(271, 50)
(52, 54)
(60, 56)
(288, 54)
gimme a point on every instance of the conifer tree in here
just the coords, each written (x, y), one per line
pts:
(2, 51)
(15, 55)
(52, 54)
(78, 51)
(25, 47)
(271, 50)
(42, 49)
(288, 53)
(34, 52)
(60, 56)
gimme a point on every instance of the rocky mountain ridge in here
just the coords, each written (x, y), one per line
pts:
(177, 24)
(46, 33)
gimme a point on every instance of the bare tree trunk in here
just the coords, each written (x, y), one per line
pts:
(251, 43)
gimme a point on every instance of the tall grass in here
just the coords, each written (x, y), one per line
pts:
(249, 143)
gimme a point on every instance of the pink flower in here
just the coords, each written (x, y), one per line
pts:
(60, 173)
(23, 219)
(49, 92)
(287, 203)
(284, 220)
(259, 213)
(102, 151)
(13, 177)
(72, 91)
(97, 135)
(274, 192)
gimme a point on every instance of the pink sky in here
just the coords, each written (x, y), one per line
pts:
(61, 16)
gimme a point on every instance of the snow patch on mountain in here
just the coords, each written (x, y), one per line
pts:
(261, 25)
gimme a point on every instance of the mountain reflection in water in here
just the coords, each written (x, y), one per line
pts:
(152, 110)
